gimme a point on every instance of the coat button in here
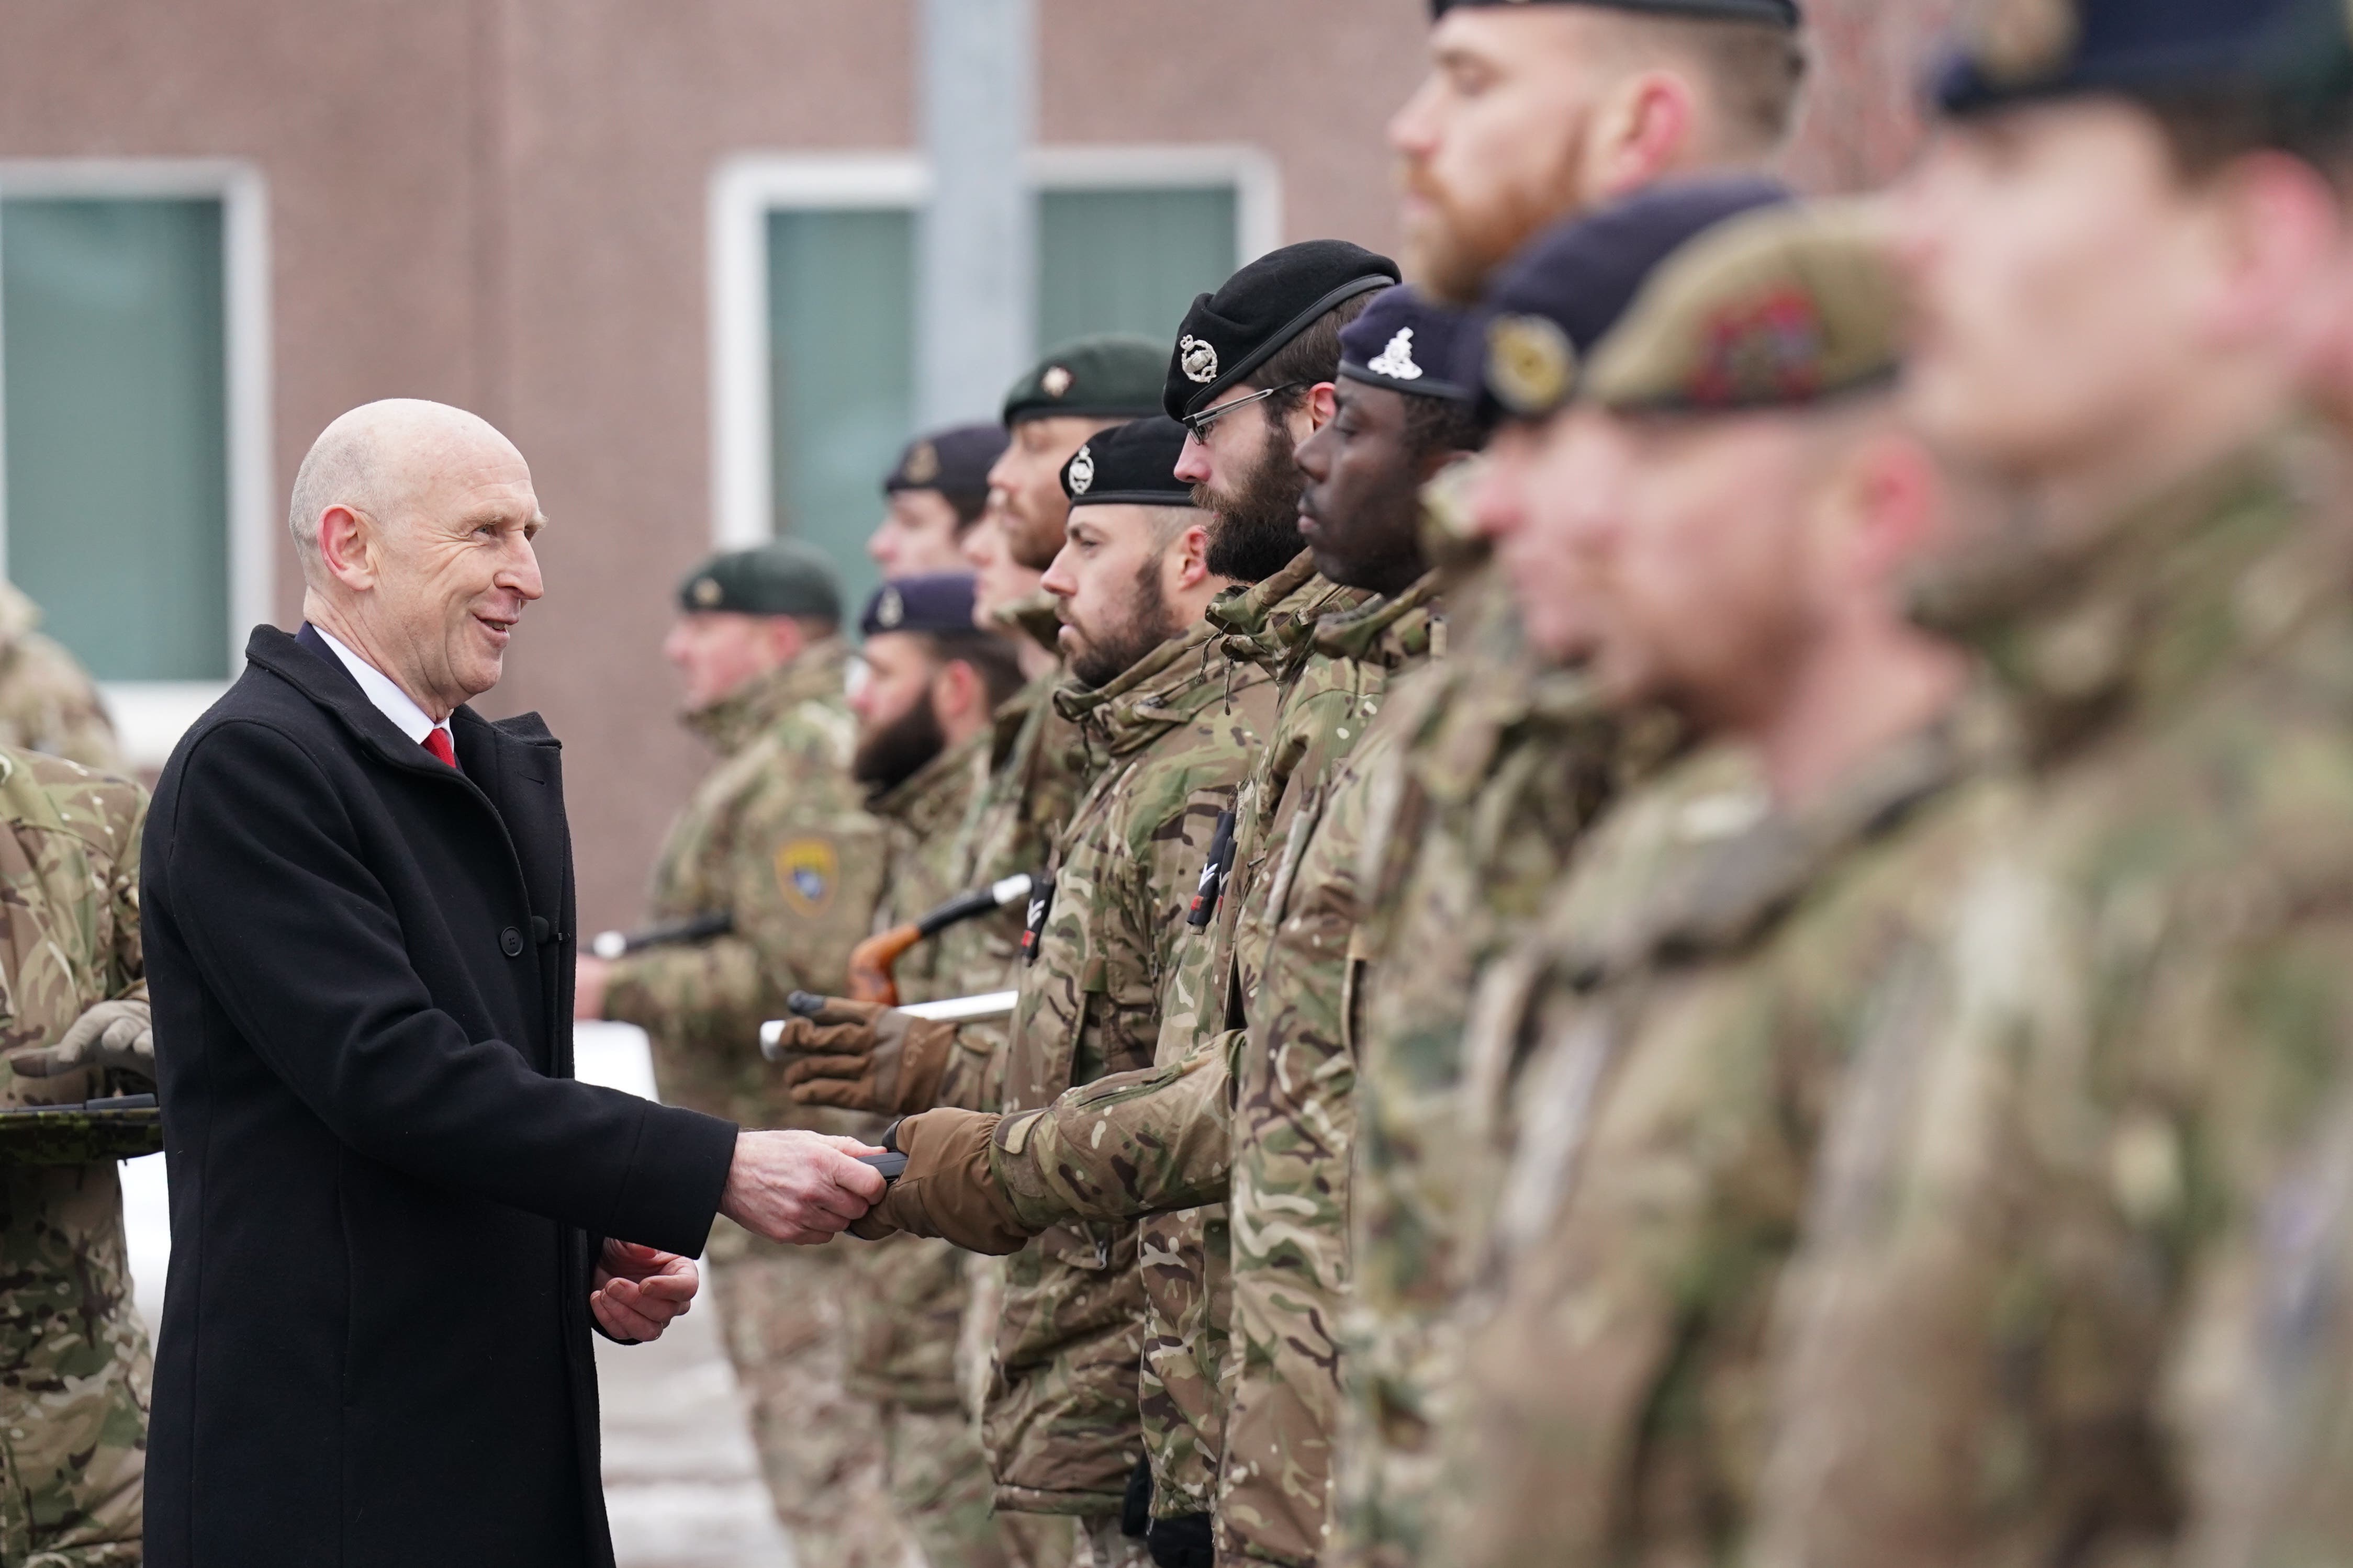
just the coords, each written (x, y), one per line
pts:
(511, 943)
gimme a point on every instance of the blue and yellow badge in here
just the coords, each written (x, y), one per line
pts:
(806, 872)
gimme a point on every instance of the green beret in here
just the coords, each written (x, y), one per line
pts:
(783, 578)
(1782, 308)
(1112, 375)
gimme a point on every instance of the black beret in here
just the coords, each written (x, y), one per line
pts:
(1112, 375)
(1407, 343)
(1132, 464)
(936, 603)
(1553, 301)
(1231, 332)
(1784, 11)
(782, 578)
(954, 462)
(2014, 50)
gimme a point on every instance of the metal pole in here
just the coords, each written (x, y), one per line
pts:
(976, 315)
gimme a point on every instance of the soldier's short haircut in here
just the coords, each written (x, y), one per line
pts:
(1436, 425)
(1753, 71)
(2206, 131)
(1312, 356)
(990, 657)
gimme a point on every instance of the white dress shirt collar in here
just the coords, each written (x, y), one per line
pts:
(389, 698)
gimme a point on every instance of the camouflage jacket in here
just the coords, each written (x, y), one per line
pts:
(1037, 766)
(74, 1366)
(904, 1307)
(2093, 1135)
(777, 836)
(1171, 740)
(1498, 765)
(48, 702)
(1651, 1068)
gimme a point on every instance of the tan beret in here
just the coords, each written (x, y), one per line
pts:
(1780, 309)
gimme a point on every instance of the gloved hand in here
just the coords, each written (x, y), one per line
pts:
(947, 1189)
(116, 1037)
(862, 1056)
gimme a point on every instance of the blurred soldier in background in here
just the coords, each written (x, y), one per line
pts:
(935, 495)
(1717, 525)
(771, 876)
(2096, 1141)
(48, 702)
(74, 1363)
(1530, 113)
(930, 683)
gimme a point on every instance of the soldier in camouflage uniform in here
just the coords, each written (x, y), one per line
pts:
(2072, 1229)
(1500, 761)
(777, 840)
(932, 681)
(74, 1363)
(1170, 743)
(48, 702)
(1717, 525)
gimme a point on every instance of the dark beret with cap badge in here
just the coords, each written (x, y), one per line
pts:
(785, 578)
(1111, 375)
(1783, 13)
(954, 462)
(1554, 301)
(2012, 51)
(1408, 344)
(1130, 465)
(1261, 309)
(935, 603)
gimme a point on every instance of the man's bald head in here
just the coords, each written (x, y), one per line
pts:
(382, 458)
(414, 522)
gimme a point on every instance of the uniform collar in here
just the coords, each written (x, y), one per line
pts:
(933, 797)
(819, 674)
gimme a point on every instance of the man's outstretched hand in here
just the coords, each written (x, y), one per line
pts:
(801, 1187)
(862, 1056)
(640, 1290)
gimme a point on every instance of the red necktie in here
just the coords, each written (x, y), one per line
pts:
(436, 741)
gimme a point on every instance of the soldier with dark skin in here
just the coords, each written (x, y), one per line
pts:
(2071, 1240)
(776, 838)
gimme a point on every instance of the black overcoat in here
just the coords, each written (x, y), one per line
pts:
(385, 1191)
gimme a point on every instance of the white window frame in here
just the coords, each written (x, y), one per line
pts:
(746, 188)
(150, 716)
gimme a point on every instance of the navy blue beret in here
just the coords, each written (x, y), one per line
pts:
(1408, 344)
(937, 602)
(1132, 464)
(1784, 11)
(2016, 51)
(954, 462)
(1552, 302)
(1231, 332)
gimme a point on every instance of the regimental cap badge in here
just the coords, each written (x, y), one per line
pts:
(922, 463)
(1056, 382)
(890, 609)
(1082, 471)
(1396, 361)
(1768, 350)
(2019, 41)
(707, 593)
(1197, 358)
(1530, 363)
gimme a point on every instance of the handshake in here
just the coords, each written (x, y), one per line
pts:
(863, 1055)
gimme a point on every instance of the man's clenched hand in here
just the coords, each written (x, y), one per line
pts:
(800, 1188)
(639, 1289)
(113, 1036)
(862, 1056)
(948, 1189)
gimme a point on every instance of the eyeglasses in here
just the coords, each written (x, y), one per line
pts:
(1198, 423)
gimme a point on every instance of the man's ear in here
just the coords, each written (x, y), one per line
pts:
(347, 546)
(1188, 558)
(957, 694)
(2277, 225)
(1893, 495)
(1320, 407)
(1642, 129)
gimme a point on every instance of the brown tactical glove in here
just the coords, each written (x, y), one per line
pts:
(947, 1189)
(862, 1056)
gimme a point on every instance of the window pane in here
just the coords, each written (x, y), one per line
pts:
(842, 365)
(112, 320)
(1129, 261)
